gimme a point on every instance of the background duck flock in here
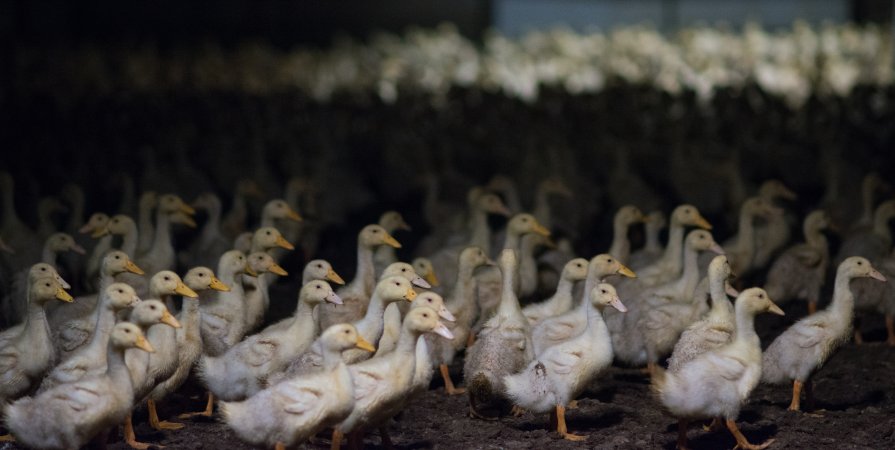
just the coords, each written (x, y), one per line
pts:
(563, 239)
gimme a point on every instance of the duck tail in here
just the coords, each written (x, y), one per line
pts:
(480, 389)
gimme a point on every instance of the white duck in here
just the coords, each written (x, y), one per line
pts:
(621, 222)
(800, 270)
(160, 255)
(95, 226)
(652, 248)
(289, 413)
(391, 221)
(774, 233)
(669, 266)
(561, 301)
(391, 330)
(741, 249)
(244, 369)
(223, 318)
(257, 299)
(425, 269)
(39, 270)
(147, 203)
(211, 243)
(560, 373)
(717, 383)
(804, 347)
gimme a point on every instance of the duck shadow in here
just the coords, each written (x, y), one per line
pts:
(874, 397)
(575, 419)
(699, 439)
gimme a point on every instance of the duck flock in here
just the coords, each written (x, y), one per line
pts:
(512, 278)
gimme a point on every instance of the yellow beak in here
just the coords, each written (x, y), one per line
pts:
(218, 285)
(331, 275)
(364, 345)
(410, 295)
(168, 319)
(275, 268)
(185, 290)
(391, 242)
(283, 243)
(187, 209)
(132, 268)
(539, 229)
(251, 271)
(702, 223)
(144, 345)
(189, 222)
(64, 296)
(624, 270)
(100, 232)
(431, 278)
(293, 215)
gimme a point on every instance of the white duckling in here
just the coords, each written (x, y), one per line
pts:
(391, 221)
(356, 295)
(556, 329)
(874, 297)
(320, 269)
(652, 248)
(716, 328)
(561, 301)
(39, 270)
(425, 269)
(395, 311)
(89, 359)
(668, 267)
(559, 374)
(58, 243)
(621, 222)
(503, 347)
(741, 249)
(15, 304)
(243, 370)
(26, 356)
(160, 255)
(95, 226)
(276, 210)
(773, 233)
(257, 299)
(289, 413)
(717, 383)
(392, 326)
(800, 270)
(528, 265)
(124, 226)
(70, 415)
(223, 318)
(804, 347)
(211, 243)
(380, 384)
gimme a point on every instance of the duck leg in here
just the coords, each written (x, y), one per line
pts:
(716, 425)
(209, 409)
(279, 446)
(449, 388)
(795, 404)
(157, 424)
(890, 329)
(742, 442)
(812, 306)
(7, 438)
(561, 425)
(682, 434)
(337, 440)
(130, 437)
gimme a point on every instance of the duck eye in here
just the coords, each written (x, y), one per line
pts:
(127, 331)
(403, 269)
(760, 295)
(268, 233)
(347, 331)
(152, 307)
(397, 284)
(687, 210)
(375, 231)
(47, 285)
(860, 263)
(43, 269)
(167, 278)
(578, 265)
(120, 291)
(201, 274)
(319, 266)
(117, 257)
(603, 291)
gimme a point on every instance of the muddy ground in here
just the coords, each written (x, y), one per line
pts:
(855, 409)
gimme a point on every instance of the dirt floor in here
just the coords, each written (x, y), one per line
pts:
(855, 409)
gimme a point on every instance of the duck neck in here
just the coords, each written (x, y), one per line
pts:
(37, 330)
(212, 227)
(652, 239)
(162, 230)
(814, 237)
(690, 276)
(463, 295)
(105, 321)
(509, 303)
(675, 247)
(481, 233)
(190, 318)
(527, 264)
(332, 359)
(304, 316)
(881, 226)
(145, 226)
(373, 319)
(542, 210)
(621, 246)
(48, 254)
(512, 240)
(129, 240)
(843, 300)
(365, 278)
(718, 294)
(594, 318)
(746, 235)
(407, 342)
(117, 370)
(745, 331)
(563, 295)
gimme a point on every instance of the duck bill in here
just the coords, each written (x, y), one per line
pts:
(410, 295)
(625, 271)
(617, 304)
(283, 243)
(539, 229)
(788, 194)
(774, 309)
(364, 345)
(404, 226)
(62, 282)
(293, 215)
(550, 243)
(99, 232)
(490, 262)
(187, 209)
(63, 296)
(443, 331)
(188, 222)
(877, 276)
(702, 223)
(716, 249)
(86, 228)
(143, 344)
(334, 298)
(275, 268)
(431, 278)
(331, 275)
(446, 314)
(250, 271)
(78, 249)
(169, 319)
(418, 281)
(730, 290)
(133, 268)
(218, 285)
(391, 242)
(185, 290)
(501, 210)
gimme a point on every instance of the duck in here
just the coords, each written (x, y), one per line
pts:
(95, 226)
(652, 247)
(160, 255)
(257, 299)
(871, 296)
(26, 356)
(320, 269)
(561, 301)
(625, 217)
(801, 350)
(391, 330)
(664, 312)
(124, 226)
(799, 271)
(243, 370)
(503, 347)
(391, 221)
(871, 184)
(553, 330)
(463, 306)
(234, 221)
(15, 302)
(146, 204)
(70, 415)
(289, 413)
(560, 373)
(356, 294)
(772, 234)
(47, 208)
(716, 328)
(717, 383)
(89, 359)
(548, 189)
(668, 267)
(741, 249)
(276, 210)
(39, 270)
(211, 242)
(425, 269)
(870, 242)
(371, 326)
(223, 317)
(528, 264)
(380, 384)
(203, 282)
(58, 243)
